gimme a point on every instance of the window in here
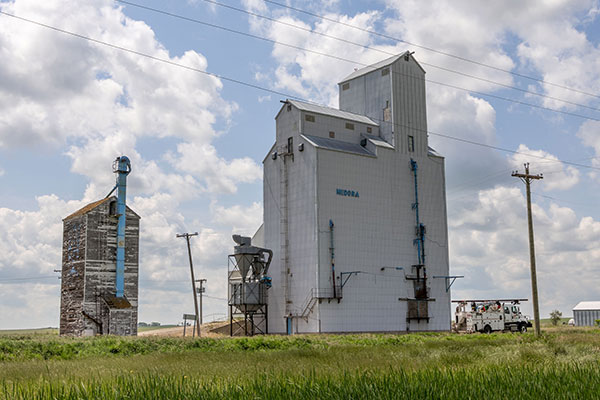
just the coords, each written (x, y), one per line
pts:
(385, 71)
(290, 146)
(331, 134)
(349, 126)
(369, 129)
(387, 114)
(289, 107)
(309, 118)
(112, 208)
(346, 86)
(411, 144)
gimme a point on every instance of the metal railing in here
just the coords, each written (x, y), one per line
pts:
(313, 296)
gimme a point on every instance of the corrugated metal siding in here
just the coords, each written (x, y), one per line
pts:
(586, 317)
(410, 117)
(368, 95)
(373, 230)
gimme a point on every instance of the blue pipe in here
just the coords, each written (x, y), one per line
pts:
(123, 169)
(332, 259)
(420, 229)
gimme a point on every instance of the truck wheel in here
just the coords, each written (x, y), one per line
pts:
(522, 328)
(487, 329)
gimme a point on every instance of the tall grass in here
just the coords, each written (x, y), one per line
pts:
(518, 382)
(561, 364)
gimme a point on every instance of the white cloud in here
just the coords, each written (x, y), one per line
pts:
(489, 245)
(557, 176)
(219, 175)
(94, 103)
(100, 100)
(548, 33)
(243, 220)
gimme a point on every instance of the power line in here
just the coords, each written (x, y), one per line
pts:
(426, 48)
(241, 10)
(215, 298)
(29, 278)
(282, 93)
(150, 56)
(354, 62)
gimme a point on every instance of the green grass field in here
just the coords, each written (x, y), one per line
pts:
(563, 363)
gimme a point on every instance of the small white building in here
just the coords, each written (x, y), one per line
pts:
(355, 210)
(585, 313)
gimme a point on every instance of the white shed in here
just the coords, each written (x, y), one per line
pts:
(586, 313)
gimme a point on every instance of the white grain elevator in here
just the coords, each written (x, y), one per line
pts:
(355, 210)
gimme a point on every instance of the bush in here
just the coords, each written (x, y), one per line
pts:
(555, 316)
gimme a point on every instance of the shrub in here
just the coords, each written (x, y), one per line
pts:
(555, 316)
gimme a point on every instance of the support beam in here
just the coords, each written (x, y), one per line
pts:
(449, 280)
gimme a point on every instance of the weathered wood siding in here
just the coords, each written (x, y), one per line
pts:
(72, 276)
(98, 280)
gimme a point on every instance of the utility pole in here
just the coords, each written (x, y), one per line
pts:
(201, 290)
(527, 178)
(187, 238)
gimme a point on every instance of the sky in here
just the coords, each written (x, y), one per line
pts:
(196, 141)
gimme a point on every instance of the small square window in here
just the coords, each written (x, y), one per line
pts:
(331, 134)
(369, 129)
(385, 71)
(411, 144)
(346, 86)
(349, 126)
(309, 118)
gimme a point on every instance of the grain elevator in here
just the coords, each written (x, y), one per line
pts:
(100, 258)
(355, 210)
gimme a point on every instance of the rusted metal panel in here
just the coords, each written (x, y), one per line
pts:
(417, 309)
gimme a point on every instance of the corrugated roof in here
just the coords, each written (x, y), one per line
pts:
(378, 141)
(432, 152)
(371, 68)
(587, 305)
(334, 112)
(337, 145)
(86, 209)
(91, 206)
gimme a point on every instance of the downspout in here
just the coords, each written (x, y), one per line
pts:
(420, 228)
(331, 248)
(122, 167)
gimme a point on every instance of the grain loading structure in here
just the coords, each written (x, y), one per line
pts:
(355, 210)
(100, 262)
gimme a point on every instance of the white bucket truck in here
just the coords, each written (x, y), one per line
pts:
(488, 316)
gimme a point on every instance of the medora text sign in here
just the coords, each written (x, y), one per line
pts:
(344, 192)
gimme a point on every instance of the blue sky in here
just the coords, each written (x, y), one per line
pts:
(69, 107)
